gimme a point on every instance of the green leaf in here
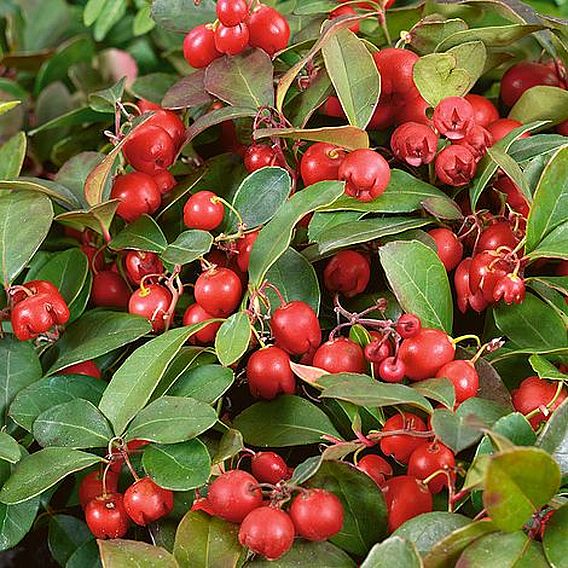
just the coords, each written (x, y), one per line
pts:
(178, 467)
(550, 203)
(37, 472)
(8, 106)
(98, 218)
(182, 15)
(9, 448)
(511, 169)
(393, 550)
(300, 108)
(354, 76)
(112, 12)
(189, 91)
(441, 390)
(12, 154)
(305, 553)
(25, 219)
(286, 421)
(518, 483)
(97, 333)
(323, 221)
(134, 382)
(556, 537)
(554, 245)
(348, 137)
(106, 99)
(420, 282)
(171, 419)
(86, 556)
(260, 195)
(244, 80)
(205, 542)
(545, 369)
(66, 534)
(16, 521)
(217, 117)
(153, 86)
(74, 172)
(233, 338)
(275, 237)
(189, 246)
(532, 324)
(230, 445)
(143, 22)
(19, 368)
(526, 108)
(75, 424)
(53, 190)
(425, 530)
(120, 552)
(361, 499)
(143, 234)
(42, 395)
(206, 383)
(492, 36)
(554, 437)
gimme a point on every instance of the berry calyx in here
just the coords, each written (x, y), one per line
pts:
(454, 117)
(233, 495)
(139, 264)
(510, 288)
(317, 514)
(455, 165)
(414, 143)
(408, 325)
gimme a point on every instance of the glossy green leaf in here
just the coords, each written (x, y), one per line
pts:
(427, 34)
(178, 467)
(16, 521)
(555, 541)
(98, 218)
(305, 553)
(554, 245)
(545, 369)
(188, 247)
(419, 281)
(204, 382)
(323, 221)
(51, 189)
(65, 535)
(286, 421)
(38, 472)
(86, 556)
(442, 390)
(527, 108)
(393, 550)
(25, 219)
(233, 338)
(12, 154)
(143, 234)
(119, 552)
(9, 448)
(105, 100)
(554, 437)
(492, 36)
(230, 445)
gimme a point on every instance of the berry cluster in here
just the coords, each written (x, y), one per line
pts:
(237, 27)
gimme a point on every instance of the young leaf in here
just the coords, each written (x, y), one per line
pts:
(189, 246)
(545, 369)
(120, 552)
(143, 234)
(233, 338)
(230, 445)
(393, 550)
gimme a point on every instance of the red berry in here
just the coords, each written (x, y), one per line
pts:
(535, 393)
(378, 349)
(106, 516)
(138, 195)
(170, 122)
(484, 110)
(233, 495)
(332, 107)
(146, 502)
(464, 294)
(95, 257)
(203, 211)
(455, 165)
(524, 75)
(500, 128)
(109, 290)
(366, 174)
(340, 355)
(412, 108)
(199, 46)
(150, 149)
(392, 370)
(139, 264)
(497, 235)
(244, 248)
(463, 376)
(196, 314)
(348, 272)
(317, 514)
(425, 353)
(477, 140)
(406, 497)
(91, 486)
(321, 162)
(562, 128)
(231, 40)
(408, 325)
(269, 467)
(296, 328)
(384, 115)
(485, 270)
(376, 467)
(510, 288)
(259, 156)
(427, 459)
(218, 291)
(232, 12)
(87, 368)
(269, 373)
(414, 143)
(454, 117)
(400, 446)
(147, 106)
(396, 68)
(449, 247)
(165, 181)
(267, 531)
(34, 287)
(269, 29)
(152, 302)
(345, 11)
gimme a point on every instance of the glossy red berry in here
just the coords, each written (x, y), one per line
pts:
(32, 288)
(500, 128)
(269, 467)
(348, 272)
(171, 123)
(463, 376)
(91, 486)
(196, 314)
(259, 156)
(454, 117)
(269, 29)
(376, 467)
(321, 162)
(498, 235)
(106, 516)
(477, 140)
(150, 149)
(429, 458)
(296, 328)
(392, 370)
(412, 108)
(199, 46)
(425, 353)
(455, 165)
(203, 211)
(165, 181)
(408, 325)
(406, 497)
(147, 106)
(449, 247)
(378, 349)
(88, 368)
(535, 393)
(464, 295)
(146, 502)
(562, 128)
(95, 257)
(138, 195)
(267, 531)
(317, 514)
(485, 270)
(510, 289)
(399, 445)
(269, 373)
(231, 40)
(396, 68)
(484, 110)
(524, 75)
(232, 12)
(152, 302)
(218, 291)
(340, 355)
(109, 290)
(140, 263)
(414, 143)
(244, 248)
(233, 495)
(384, 116)
(366, 173)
